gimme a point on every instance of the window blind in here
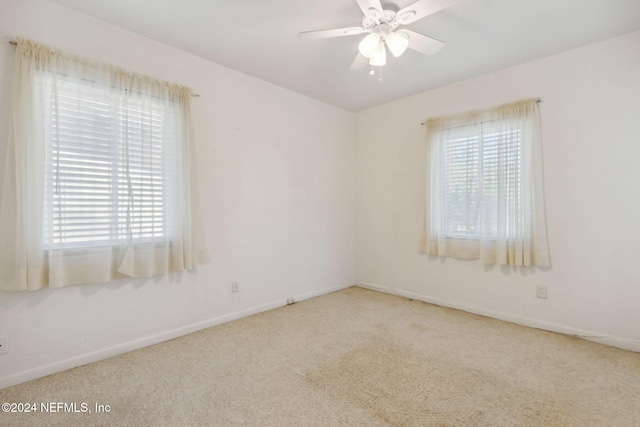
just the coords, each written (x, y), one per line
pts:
(481, 161)
(109, 164)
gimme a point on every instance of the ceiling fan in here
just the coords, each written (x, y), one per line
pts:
(382, 21)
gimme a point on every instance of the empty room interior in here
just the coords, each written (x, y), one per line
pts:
(347, 212)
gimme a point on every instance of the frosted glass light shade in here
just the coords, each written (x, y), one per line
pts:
(379, 58)
(369, 45)
(397, 42)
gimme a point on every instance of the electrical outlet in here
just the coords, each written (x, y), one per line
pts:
(541, 291)
(235, 286)
(290, 301)
(4, 344)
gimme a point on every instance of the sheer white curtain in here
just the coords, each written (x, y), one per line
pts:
(100, 179)
(485, 188)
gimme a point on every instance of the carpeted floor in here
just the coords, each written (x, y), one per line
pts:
(350, 358)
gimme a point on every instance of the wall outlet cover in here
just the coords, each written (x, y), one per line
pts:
(541, 291)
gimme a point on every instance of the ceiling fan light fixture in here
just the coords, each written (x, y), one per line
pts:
(380, 20)
(370, 45)
(397, 42)
(379, 58)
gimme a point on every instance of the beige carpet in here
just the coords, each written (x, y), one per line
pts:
(351, 358)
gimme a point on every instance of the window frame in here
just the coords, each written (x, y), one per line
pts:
(119, 114)
(480, 139)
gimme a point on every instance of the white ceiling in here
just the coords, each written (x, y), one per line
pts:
(259, 38)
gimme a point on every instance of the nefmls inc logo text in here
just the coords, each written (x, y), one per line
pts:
(64, 407)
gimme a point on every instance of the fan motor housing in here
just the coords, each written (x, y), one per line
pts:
(381, 24)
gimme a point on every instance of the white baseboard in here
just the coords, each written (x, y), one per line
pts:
(614, 341)
(106, 353)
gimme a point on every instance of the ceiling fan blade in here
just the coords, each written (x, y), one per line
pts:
(422, 8)
(361, 61)
(423, 44)
(371, 8)
(324, 34)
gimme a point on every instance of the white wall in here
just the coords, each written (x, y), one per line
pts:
(276, 179)
(590, 118)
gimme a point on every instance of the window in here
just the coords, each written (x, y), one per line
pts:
(484, 186)
(109, 166)
(102, 185)
(480, 162)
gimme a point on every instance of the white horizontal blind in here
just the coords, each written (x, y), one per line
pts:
(109, 166)
(481, 168)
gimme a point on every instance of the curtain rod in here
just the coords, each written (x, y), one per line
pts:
(537, 100)
(15, 43)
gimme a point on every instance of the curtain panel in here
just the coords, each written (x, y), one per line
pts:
(100, 175)
(484, 186)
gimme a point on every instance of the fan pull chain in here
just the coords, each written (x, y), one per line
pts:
(373, 72)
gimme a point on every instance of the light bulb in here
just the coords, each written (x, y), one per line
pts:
(379, 58)
(369, 45)
(397, 42)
